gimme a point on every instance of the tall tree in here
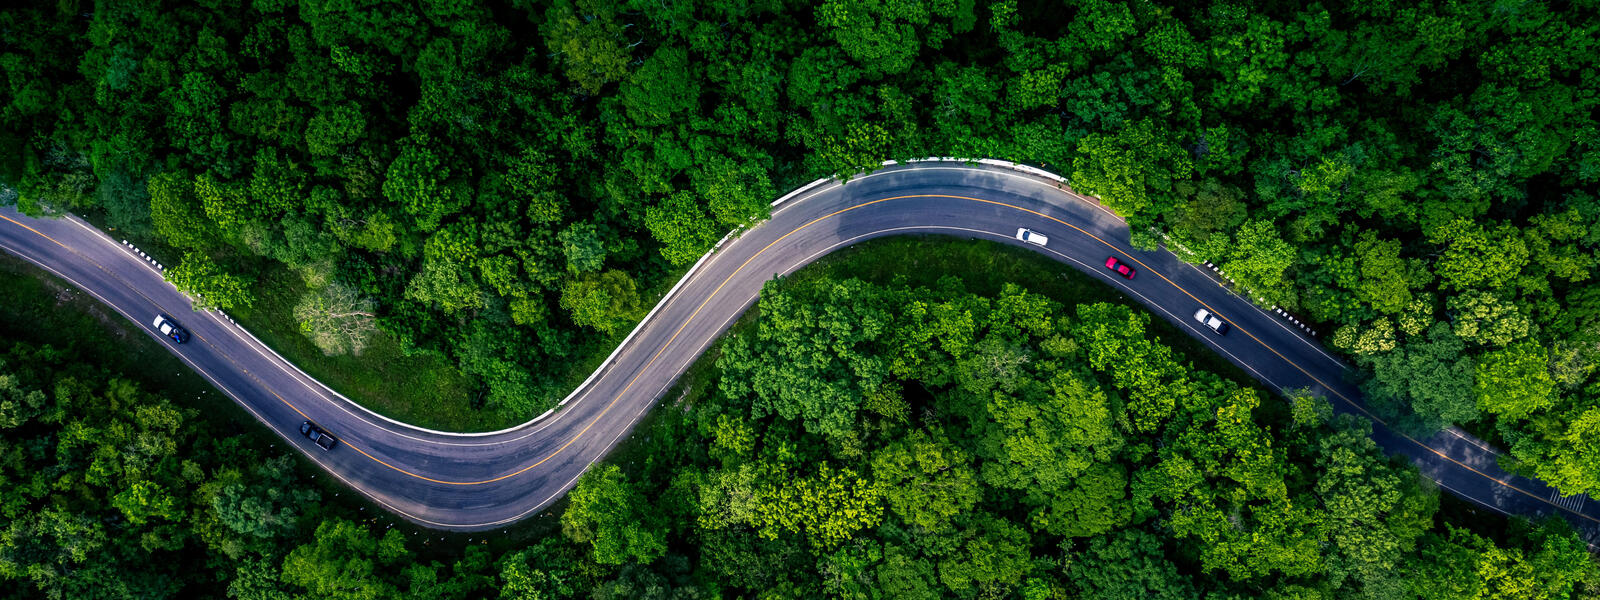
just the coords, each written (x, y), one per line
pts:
(609, 514)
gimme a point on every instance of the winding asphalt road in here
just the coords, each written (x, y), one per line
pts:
(470, 482)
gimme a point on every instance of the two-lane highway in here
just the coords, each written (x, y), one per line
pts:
(479, 481)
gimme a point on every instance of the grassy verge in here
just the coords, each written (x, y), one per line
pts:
(428, 391)
(41, 309)
(423, 390)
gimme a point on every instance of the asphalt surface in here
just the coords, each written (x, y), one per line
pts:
(470, 482)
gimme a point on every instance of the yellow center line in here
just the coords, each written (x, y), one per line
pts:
(152, 302)
(37, 232)
(758, 253)
(1297, 366)
(647, 365)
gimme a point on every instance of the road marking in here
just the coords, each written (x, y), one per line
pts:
(40, 234)
(1186, 292)
(1091, 203)
(192, 365)
(1363, 410)
(1572, 503)
(758, 253)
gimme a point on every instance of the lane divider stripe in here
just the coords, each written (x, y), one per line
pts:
(758, 253)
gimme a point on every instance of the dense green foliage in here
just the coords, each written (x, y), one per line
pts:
(500, 183)
(504, 184)
(110, 491)
(987, 447)
(868, 441)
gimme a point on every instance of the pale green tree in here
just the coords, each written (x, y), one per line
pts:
(211, 286)
(1514, 382)
(1133, 171)
(608, 514)
(1483, 318)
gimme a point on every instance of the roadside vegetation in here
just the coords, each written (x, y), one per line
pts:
(421, 388)
(985, 268)
(493, 193)
(499, 182)
(38, 308)
(863, 440)
(932, 443)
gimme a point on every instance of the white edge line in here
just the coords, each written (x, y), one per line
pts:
(689, 275)
(693, 270)
(605, 364)
(1175, 318)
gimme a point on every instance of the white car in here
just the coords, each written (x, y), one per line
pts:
(170, 328)
(1210, 320)
(1028, 235)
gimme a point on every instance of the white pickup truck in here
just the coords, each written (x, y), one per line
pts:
(170, 328)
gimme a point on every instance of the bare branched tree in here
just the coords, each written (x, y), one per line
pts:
(337, 319)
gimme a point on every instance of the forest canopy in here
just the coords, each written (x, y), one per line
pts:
(974, 446)
(505, 183)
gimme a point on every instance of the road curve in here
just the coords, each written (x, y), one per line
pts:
(470, 482)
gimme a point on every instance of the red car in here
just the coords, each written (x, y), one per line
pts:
(1120, 268)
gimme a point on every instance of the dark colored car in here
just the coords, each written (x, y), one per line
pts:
(1120, 268)
(171, 329)
(317, 435)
